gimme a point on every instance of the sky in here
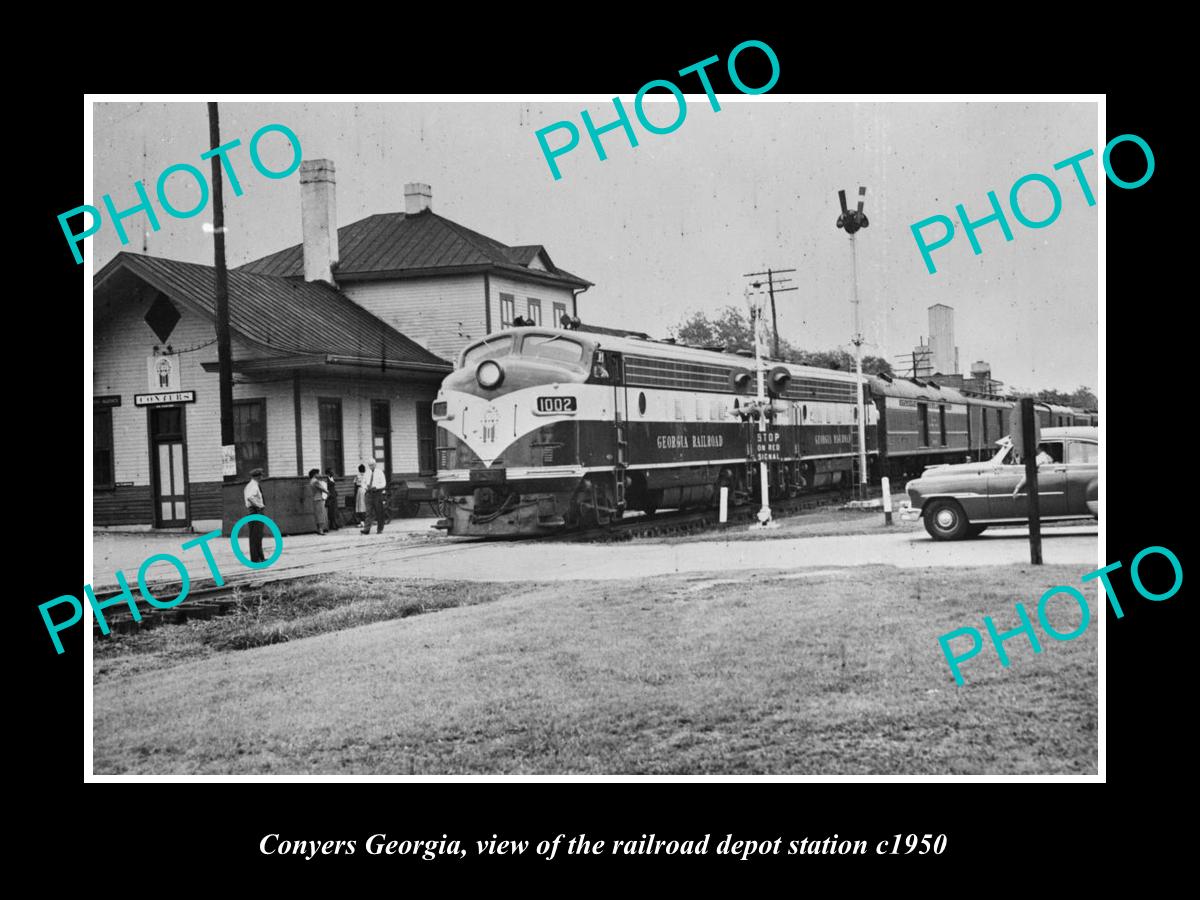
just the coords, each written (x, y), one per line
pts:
(670, 227)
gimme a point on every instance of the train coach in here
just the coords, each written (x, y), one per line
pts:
(543, 429)
(923, 423)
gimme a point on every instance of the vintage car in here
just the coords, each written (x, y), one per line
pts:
(960, 501)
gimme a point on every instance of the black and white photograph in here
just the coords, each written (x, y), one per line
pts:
(686, 433)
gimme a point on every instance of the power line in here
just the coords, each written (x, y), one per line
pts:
(772, 289)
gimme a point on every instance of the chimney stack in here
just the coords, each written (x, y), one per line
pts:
(417, 198)
(318, 219)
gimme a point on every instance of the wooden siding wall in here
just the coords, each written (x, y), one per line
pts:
(356, 400)
(522, 291)
(124, 505)
(122, 341)
(431, 311)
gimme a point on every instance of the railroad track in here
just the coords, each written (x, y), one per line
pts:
(698, 521)
(204, 603)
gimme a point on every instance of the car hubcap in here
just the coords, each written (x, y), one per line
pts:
(945, 518)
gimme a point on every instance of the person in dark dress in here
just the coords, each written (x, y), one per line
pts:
(360, 495)
(331, 504)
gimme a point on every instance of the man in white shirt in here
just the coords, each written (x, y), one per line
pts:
(376, 483)
(254, 504)
(1043, 456)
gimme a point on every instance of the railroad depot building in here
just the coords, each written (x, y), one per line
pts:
(339, 345)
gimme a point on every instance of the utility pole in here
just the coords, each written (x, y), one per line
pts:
(852, 222)
(224, 350)
(772, 289)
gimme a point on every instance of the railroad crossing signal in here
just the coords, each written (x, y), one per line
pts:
(852, 221)
(753, 410)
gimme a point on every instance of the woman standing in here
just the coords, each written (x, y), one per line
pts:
(317, 493)
(360, 494)
(331, 501)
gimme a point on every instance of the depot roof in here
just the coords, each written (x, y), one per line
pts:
(288, 319)
(396, 245)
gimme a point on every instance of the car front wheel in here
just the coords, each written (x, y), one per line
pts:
(945, 521)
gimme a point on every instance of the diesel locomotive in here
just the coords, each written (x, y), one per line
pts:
(544, 429)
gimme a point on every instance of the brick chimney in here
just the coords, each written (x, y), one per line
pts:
(417, 198)
(318, 219)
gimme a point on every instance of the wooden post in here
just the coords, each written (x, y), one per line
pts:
(224, 350)
(1029, 452)
(887, 500)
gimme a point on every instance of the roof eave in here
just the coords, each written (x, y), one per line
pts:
(473, 269)
(313, 360)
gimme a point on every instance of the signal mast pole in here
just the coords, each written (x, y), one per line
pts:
(764, 513)
(851, 222)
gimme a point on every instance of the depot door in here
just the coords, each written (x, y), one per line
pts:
(168, 462)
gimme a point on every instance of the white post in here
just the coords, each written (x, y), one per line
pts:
(724, 504)
(886, 484)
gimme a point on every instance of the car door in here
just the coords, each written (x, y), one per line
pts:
(1052, 488)
(1052, 482)
(1083, 466)
(1001, 481)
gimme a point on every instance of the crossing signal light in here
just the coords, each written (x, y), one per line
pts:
(778, 379)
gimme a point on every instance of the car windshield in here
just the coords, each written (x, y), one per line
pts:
(501, 345)
(552, 346)
(1003, 454)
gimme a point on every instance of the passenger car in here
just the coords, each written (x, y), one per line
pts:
(960, 501)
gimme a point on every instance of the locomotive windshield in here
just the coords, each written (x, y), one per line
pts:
(555, 347)
(500, 345)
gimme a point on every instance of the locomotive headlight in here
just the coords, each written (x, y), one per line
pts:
(489, 374)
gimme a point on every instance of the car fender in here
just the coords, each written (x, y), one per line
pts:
(946, 495)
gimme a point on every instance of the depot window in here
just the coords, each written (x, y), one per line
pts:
(329, 423)
(535, 311)
(250, 435)
(508, 310)
(102, 449)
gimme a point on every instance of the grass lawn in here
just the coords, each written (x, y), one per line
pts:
(830, 671)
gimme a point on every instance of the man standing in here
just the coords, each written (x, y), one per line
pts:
(376, 482)
(254, 504)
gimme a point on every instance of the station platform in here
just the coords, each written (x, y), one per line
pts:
(337, 550)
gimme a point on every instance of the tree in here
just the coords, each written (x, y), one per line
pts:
(1084, 398)
(731, 330)
(1081, 398)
